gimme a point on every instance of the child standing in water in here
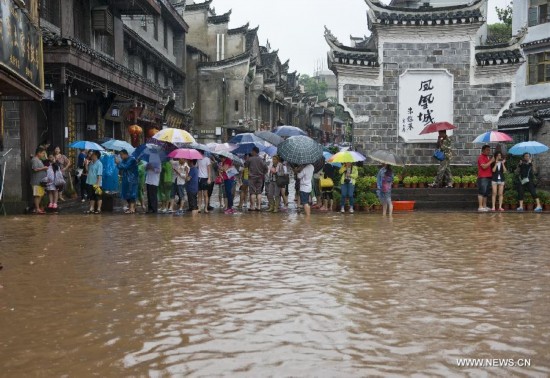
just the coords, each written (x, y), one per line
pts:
(384, 181)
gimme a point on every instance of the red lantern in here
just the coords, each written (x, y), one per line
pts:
(135, 131)
(152, 132)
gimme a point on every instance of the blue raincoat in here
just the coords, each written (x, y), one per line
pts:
(130, 178)
(110, 173)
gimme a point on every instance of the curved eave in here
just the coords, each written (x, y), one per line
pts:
(375, 5)
(221, 19)
(240, 30)
(337, 46)
(199, 6)
(236, 60)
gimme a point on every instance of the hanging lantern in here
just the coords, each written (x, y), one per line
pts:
(135, 131)
(152, 132)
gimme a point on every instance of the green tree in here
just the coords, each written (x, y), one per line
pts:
(314, 86)
(499, 33)
(505, 14)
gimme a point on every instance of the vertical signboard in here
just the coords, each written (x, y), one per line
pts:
(20, 45)
(425, 96)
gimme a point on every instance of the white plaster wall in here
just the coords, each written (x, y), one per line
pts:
(534, 33)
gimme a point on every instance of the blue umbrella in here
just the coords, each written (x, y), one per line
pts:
(246, 138)
(271, 150)
(86, 145)
(530, 147)
(118, 145)
(149, 151)
(327, 155)
(246, 148)
(288, 131)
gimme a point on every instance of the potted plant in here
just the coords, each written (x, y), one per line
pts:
(361, 203)
(469, 181)
(371, 199)
(336, 198)
(407, 181)
(544, 197)
(414, 181)
(372, 181)
(510, 199)
(396, 181)
(422, 181)
(529, 202)
(457, 181)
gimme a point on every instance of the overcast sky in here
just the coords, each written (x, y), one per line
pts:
(296, 27)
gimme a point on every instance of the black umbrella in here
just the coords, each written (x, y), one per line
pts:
(300, 150)
(270, 137)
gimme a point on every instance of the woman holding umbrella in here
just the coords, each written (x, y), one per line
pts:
(526, 173)
(349, 174)
(445, 144)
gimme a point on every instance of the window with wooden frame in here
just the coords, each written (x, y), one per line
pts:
(539, 12)
(49, 11)
(539, 68)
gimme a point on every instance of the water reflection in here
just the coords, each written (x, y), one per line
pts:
(262, 295)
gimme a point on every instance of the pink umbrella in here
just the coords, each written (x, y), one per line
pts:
(186, 153)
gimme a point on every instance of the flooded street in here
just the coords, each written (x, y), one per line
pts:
(273, 295)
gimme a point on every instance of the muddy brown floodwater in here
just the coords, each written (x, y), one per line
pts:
(274, 295)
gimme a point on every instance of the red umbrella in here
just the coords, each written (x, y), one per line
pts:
(438, 126)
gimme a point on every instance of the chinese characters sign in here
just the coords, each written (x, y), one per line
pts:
(20, 45)
(425, 96)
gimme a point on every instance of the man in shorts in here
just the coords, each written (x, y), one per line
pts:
(484, 177)
(205, 178)
(305, 175)
(257, 169)
(38, 173)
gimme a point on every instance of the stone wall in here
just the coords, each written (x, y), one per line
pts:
(380, 104)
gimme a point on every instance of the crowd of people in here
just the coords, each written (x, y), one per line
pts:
(180, 185)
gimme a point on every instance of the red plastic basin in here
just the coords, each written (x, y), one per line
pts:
(403, 205)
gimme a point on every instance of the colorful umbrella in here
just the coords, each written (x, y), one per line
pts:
(346, 157)
(186, 153)
(246, 138)
(270, 137)
(327, 155)
(530, 147)
(300, 150)
(288, 131)
(386, 157)
(174, 136)
(118, 145)
(493, 136)
(85, 145)
(438, 126)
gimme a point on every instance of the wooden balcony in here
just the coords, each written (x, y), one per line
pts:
(137, 7)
